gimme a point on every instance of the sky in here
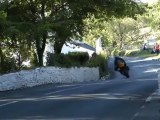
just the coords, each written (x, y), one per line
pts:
(149, 1)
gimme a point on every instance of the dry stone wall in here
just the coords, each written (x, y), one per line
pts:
(45, 75)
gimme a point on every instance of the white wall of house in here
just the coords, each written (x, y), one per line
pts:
(73, 48)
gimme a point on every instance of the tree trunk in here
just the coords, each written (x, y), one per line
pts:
(40, 49)
(41, 39)
(40, 58)
(58, 47)
(121, 41)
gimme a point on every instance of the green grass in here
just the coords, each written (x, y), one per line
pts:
(141, 53)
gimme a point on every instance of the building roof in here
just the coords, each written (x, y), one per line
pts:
(81, 44)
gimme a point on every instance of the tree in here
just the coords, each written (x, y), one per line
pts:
(57, 20)
(116, 33)
(150, 20)
(2, 27)
(153, 16)
(14, 44)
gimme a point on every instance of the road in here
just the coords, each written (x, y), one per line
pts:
(115, 99)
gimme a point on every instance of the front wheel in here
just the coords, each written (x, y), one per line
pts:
(125, 73)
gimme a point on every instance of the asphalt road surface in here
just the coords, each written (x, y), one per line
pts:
(118, 98)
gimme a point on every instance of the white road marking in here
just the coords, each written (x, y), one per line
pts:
(8, 103)
(135, 115)
(63, 90)
(81, 85)
(148, 99)
(79, 97)
(143, 107)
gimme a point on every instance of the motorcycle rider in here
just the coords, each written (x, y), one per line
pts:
(120, 64)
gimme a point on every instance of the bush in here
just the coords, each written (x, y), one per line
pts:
(8, 65)
(59, 60)
(115, 51)
(67, 60)
(79, 60)
(122, 53)
(98, 61)
(80, 57)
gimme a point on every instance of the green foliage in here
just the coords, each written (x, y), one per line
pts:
(28, 24)
(82, 57)
(9, 65)
(115, 51)
(122, 53)
(67, 60)
(115, 33)
(132, 53)
(152, 16)
(77, 59)
(141, 53)
(59, 60)
(2, 23)
(33, 59)
(151, 19)
(98, 61)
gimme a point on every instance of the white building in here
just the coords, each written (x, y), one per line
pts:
(77, 46)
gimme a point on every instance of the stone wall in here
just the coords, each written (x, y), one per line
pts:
(45, 75)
